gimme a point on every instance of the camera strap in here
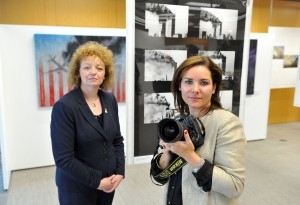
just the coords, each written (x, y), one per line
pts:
(176, 165)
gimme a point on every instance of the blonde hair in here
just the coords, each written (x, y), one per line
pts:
(91, 48)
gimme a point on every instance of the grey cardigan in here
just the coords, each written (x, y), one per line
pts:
(224, 147)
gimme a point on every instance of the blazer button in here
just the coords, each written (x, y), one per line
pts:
(104, 143)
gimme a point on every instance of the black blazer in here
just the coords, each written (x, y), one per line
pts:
(83, 150)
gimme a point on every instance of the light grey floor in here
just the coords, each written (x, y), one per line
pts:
(273, 176)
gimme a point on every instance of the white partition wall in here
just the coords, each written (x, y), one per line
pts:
(257, 104)
(25, 126)
(297, 89)
(130, 79)
(5, 173)
(289, 41)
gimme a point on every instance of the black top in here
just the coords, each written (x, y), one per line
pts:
(100, 118)
(174, 195)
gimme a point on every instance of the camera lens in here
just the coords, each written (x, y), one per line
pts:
(169, 130)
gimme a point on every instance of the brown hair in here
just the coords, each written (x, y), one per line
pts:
(91, 48)
(216, 75)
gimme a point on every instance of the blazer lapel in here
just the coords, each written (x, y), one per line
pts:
(105, 112)
(87, 113)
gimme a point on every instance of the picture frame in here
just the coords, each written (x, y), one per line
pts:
(53, 53)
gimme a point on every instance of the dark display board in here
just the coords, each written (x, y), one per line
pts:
(166, 33)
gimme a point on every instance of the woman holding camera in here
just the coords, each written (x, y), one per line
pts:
(215, 171)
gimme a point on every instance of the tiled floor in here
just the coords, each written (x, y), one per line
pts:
(272, 177)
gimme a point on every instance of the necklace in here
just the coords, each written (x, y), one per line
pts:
(94, 103)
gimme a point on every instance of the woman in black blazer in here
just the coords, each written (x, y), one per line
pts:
(87, 143)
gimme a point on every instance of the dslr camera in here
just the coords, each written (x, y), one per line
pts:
(172, 130)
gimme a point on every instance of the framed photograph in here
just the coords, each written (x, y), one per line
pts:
(290, 61)
(53, 54)
(161, 64)
(278, 52)
(166, 20)
(224, 59)
(158, 106)
(251, 67)
(218, 23)
(165, 35)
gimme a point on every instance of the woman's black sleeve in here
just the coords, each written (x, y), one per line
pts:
(155, 170)
(204, 176)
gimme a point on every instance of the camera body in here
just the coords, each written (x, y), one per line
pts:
(172, 130)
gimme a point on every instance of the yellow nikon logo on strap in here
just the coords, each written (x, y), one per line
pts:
(177, 164)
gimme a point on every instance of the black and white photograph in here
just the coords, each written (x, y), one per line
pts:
(278, 52)
(226, 97)
(158, 106)
(224, 59)
(216, 56)
(290, 61)
(217, 23)
(161, 64)
(164, 20)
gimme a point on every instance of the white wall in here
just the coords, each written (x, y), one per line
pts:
(25, 128)
(257, 105)
(297, 89)
(130, 78)
(289, 38)
(5, 173)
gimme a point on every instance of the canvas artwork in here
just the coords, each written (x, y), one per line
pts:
(161, 64)
(290, 61)
(278, 52)
(53, 54)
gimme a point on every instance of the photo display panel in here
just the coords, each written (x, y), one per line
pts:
(166, 33)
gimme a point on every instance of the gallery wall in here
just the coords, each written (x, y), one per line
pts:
(93, 13)
(287, 39)
(26, 126)
(297, 89)
(278, 13)
(256, 117)
(284, 76)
